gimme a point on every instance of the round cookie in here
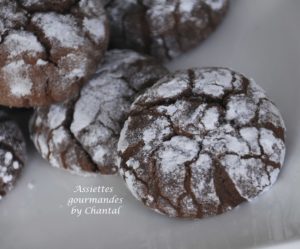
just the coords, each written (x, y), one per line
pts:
(200, 142)
(12, 153)
(48, 49)
(164, 28)
(81, 135)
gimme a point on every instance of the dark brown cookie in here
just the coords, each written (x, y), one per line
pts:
(81, 135)
(12, 153)
(164, 28)
(48, 49)
(200, 142)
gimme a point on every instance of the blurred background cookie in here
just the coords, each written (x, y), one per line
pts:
(81, 135)
(48, 49)
(12, 153)
(164, 28)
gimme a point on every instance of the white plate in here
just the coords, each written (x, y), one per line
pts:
(260, 38)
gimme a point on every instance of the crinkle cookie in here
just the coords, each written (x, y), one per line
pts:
(81, 135)
(48, 49)
(200, 142)
(12, 153)
(164, 28)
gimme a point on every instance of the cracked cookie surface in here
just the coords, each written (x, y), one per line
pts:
(81, 135)
(12, 153)
(48, 49)
(200, 142)
(164, 28)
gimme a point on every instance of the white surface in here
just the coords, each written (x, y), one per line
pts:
(259, 38)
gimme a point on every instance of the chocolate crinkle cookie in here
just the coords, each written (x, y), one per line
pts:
(164, 28)
(200, 142)
(81, 135)
(12, 153)
(48, 49)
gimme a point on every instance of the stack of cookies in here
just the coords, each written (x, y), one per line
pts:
(194, 143)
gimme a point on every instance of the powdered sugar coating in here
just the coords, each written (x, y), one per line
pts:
(90, 124)
(204, 148)
(156, 27)
(19, 42)
(16, 73)
(54, 45)
(61, 29)
(12, 153)
(215, 4)
(47, 5)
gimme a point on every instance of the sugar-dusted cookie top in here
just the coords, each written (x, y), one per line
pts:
(200, 142)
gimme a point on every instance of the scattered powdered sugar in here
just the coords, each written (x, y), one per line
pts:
(8, 158)
(6, 178)
(16, 165)
(30, 185)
